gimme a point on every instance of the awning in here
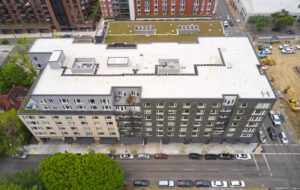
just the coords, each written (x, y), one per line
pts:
(108, 140)
(68, 140)
(85, 140)
(131, 140)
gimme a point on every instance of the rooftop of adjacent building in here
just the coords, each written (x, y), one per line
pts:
(208, 69)
(271, 6)
(13, 98)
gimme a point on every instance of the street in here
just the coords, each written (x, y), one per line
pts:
(276, 170)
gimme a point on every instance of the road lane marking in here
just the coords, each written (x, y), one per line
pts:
(236, 169)
(255, 162)
(165, 169)
(186, 169)
(212, 169)
(151, 169)
(267, 164)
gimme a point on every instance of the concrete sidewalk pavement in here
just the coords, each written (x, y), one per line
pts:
(151, 148)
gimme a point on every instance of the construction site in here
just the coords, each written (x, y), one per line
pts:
(283, 71)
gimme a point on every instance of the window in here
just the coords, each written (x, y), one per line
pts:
(160, 105)
(171, 124)
(81, 107)
(160, 129)
(160, 112)
(160, 134)
(187, 105)
(78, 101)
(147, 104)
(147, 111)
(92, 101)
(170, 129)
(122, 93)
(42, 117)
(83, 123)
(182, 129)
(148, 124)
(55, 117)
(106, 108)
(259, 112)
(225, 110)
(68, 117)
(246, 135)
(240, 112)
(200, 112)
(159, 117)
(198, 118)
(171, 111)
(95, 117)
(183, 123)
(172, 105)
(81, 117)
(234, 123)
(50, 100)
(201, 105)
(42, 101)
(58, 123)
(186, 112)
(262, 106)
(134, 93)
(172, 117)
(170, 134)
(213, 112)
(243, 105)
(100, 133)
(45, 107)
(231, 129)
(35, 59)
(207, 129)
(148, 129)
(215, 105)
(67, 107)
(197, 123)
(64, 101)
(237, 118)
(252, 124)
(109, 123)
(229, 135)
(209, 123)
(255, 118)
(185, 117)
(211, 118)
(159, 123)
(182, 134)
(148, 117)
(104, 101)
(121, 108)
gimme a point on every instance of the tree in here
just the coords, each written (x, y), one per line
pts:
(89, 171)
(13, 133)
(282, 19)
(10, 187)
(26, 179)
(13, 74)
(24, 41)
(5, 42)
(259, 21)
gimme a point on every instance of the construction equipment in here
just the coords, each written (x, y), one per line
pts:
(293, 102)
(268, 61)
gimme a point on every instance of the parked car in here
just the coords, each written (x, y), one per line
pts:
(227, 17)
(261, 137)
(160, 156)
(219, 184)
(185, 183)
(276, 29)
(284, 46)
(126, 156)
(237, 183)
(272, 133)
(288, 51)
(290, 31)
(210, 156)
(231, 23)
(225, 157)
(66, 36)
(283, 138)
(298, 47)
(141, 183)
(166, 183)
(225, 23)
(143, 156)
(20, 156)
(243, 157)
(275, 118)
(202, 183)
(195, 156)
(57, 36)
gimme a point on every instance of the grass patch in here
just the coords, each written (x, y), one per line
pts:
(166, 31)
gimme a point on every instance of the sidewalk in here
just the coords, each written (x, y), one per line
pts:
(151, 148)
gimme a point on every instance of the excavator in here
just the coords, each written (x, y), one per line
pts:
(268, 61)
(293, 101)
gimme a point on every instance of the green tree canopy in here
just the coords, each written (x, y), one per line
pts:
(13, 133)
(5, 42)
(90, 171)
(282, 19)
(26, 179)
(259, 21)
(14, 74)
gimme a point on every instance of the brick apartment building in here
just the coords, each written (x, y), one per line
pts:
(211, 91)
(24, 16)
(135, 9)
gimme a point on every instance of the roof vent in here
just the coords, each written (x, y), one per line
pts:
(168, 66)
(83, 66)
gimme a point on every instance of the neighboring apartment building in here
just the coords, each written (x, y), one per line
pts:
(141, 9)
(211, 91)
(248, 8)
(24, 16)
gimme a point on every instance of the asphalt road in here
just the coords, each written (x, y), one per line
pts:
(265, 170)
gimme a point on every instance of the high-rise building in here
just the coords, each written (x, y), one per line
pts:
(211, 91)
(139, 9)
(24, 16)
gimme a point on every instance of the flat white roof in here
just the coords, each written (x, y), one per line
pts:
(117, 61)
(239, 75)
(271, 6)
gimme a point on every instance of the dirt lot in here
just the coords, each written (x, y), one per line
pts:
(284, 74)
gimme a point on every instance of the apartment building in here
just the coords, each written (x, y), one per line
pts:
(141, 9)
(24, 16)
(211, 91)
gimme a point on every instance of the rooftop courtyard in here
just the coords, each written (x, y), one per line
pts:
(165, 31)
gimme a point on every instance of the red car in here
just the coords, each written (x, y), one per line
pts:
(160, 156)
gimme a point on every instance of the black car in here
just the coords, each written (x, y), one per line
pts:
(202, 183)
(290, 31)
(141, 183)
(185, 183)
(272, 133)
(276, 29)
(195, 156)
(66, 36)
(225, 156)
(231, 23)
(210, 156)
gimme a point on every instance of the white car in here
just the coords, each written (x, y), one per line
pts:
(275, 118)
(143, 156)
(283, 138)
(243, 157)
(298, 47)
(219, 184)
(268, 51)
(225, 23)
(227, 17)
(262, 137)
(288, 51)
(126, 156)
(166, 183)
(237, 183)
